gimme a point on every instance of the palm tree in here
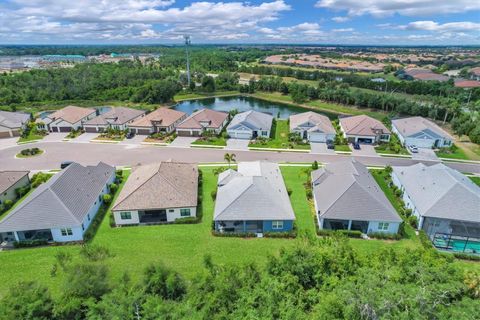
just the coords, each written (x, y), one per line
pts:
(229, 157)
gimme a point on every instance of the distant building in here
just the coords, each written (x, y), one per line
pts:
(160, 120)
(10, 181)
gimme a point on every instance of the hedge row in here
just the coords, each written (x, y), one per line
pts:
(348, 233)
(234, 234)
(287, 235)
(29, 243)
(385, 236)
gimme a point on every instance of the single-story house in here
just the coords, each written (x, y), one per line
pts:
(445, 201)
(312, 126)
(61, 209)
(250, 125)
(364, 129)
(159, 120)
(253, 199)
(10, 181)
(421, 132)
(12, 123)
(346, 197)
(66, 119)
(116, 118)
(201, 121)
(157, 193)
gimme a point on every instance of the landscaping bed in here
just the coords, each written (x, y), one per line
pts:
(392, 147)
(31, 133)
(282, 138)
(28, 153)
(452, 152)
(112, 135)
(74, 133)
(160, 138)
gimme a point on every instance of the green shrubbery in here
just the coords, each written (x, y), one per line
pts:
(385, 236)
(235, 234)
(29, 243)
(348, 233)
(30, 152)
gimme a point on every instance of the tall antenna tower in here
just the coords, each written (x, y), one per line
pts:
(187, 44)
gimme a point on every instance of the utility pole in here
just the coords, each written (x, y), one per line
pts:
(187, 44)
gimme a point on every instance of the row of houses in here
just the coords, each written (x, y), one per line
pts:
(252, 198)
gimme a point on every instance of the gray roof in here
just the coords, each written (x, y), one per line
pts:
(311, 121)
(159, 186)
(118, 115)
(10, 178)
(417, 126)
(441, 192)
(255, 192)
(251, 119)
(13, 120)
(346, 190)
(63, 201)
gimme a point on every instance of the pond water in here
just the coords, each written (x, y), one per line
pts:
(242, 103)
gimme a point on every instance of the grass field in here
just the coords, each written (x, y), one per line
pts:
(211, 141)
(189, 96)
(181, 247)
(280, 132)
(452, 153)
(476, 180)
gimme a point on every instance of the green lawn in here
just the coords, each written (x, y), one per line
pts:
(453, 152)
(343, 147)
(197, 95)
(211, 141)
(476, 180)
(392, 147)
(33, 135)
(280, 131)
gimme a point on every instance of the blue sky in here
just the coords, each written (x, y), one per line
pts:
(383, 22)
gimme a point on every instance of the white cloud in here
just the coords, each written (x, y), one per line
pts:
(340, 19)
(343, 30)
(445, 27)
(383, 8)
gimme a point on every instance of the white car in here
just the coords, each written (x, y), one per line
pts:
(413, 149)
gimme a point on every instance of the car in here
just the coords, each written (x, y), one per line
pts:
(65, 164)
(413, 149)
(130, 135)
(356, 146)
(330, 144)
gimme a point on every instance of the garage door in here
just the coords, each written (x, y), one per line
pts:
(54, 129)
(318, 137)
(365, 140)
(65, 129)
(241, 135)
(90, 129)
(143, 131)
(420, 143)
(4, 134)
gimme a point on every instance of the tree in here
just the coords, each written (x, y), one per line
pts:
(161, 281)
(28, 301)
(208, 84)
(229, 157)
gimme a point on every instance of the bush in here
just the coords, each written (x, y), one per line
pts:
(234, 234)
(29, 243)
(289, 191)
(214, 195)
(413, 221)
(7, 204)
(309, 193)
(385, 236)
(113, 188)
(348, 233)
(466, 256)
(315, 165)
(107, 199)
(187, 220)
(39, 178)
(424, 240)
(20, 192)
(287, 235)
(95, 252)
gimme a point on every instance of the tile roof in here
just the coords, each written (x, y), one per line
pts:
(9, 178)
(13, 120)
(346, 190)
(164, 117)
(71, 114)
(252, 119)
(63, 201)
(413, 125)
(158, 186)
(255, 192)
(462, 83)
(204, 118)
(441, 192)
(117, 115)
(363, 125)
(314, 121)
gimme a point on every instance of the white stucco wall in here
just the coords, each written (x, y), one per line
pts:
(172, 215)
(119, 221)
(392, 227)
(76, 236)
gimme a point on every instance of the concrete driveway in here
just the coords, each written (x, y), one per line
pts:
(237, 144)
(321, 148)
(425, 154)
(183, 142)
(365, 150)
(55, 137)
(8, 142)
(136, 140)
(85, 137)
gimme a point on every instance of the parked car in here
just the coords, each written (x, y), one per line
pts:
(65, 164)
(330, 144)
(130, 135)
(356, 146)
(413, 149)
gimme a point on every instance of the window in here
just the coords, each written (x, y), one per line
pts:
(125, 215)
(264, 133)
(88, 216)
(185, 212)
(66, 232)
(277, 225)
(171, 210)
(383, 225)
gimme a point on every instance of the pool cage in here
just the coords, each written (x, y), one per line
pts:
(458, 236)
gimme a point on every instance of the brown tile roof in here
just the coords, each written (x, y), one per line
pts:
(475, 71)
(467, 84)
(214, 119)
(118, 115)
(71, 114)
(430, 76)
(362, 125)
(158, 186)
(319, 121)
(165, 117)
(9, 178)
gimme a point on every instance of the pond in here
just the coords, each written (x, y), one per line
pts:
(242, 103)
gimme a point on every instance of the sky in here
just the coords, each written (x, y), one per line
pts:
(360, 22)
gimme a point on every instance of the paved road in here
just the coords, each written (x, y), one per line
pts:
(118, 154)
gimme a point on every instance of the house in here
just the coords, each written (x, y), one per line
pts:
(445, 201)
(61, 209)
(12, 123)
(421, 132)
(364, 129)
(66, 119)
(253, 199)
(346, 197)
(250, 125)
(116, 118)
(312, 126)
(10, 181)
(201, 121)
(159, 120)
(157, 193)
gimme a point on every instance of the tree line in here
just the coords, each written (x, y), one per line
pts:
(316, 279)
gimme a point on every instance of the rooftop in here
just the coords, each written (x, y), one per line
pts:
(164, 117)
(204, 118)
(117, 115)
(71, 114)
(363, 125)
(314, 121)
(9, 178)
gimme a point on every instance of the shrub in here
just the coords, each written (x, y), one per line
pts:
(424, 240)
(39, 178)
(385, 236)
(214, 195)
(29, 243)
(113, 188)
(315, 165)
(398, 192)
(7, 204)
(20, 192)
(348, 233)
(187, 220)
(289, 191)
(466, 256)
(288, 235)
(234, 234)
(95, 252)
(309, 193)
(413, 221)
(107, 199)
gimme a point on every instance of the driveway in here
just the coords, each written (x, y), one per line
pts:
(425, 154)
(136, 140)
(237, 144)
(183, 142)
(365, 150)
(55, 137)
(8, 142)
(85, 137)
(320, 147)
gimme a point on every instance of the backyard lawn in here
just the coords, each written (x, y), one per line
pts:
(179, 246)
(280, 131)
